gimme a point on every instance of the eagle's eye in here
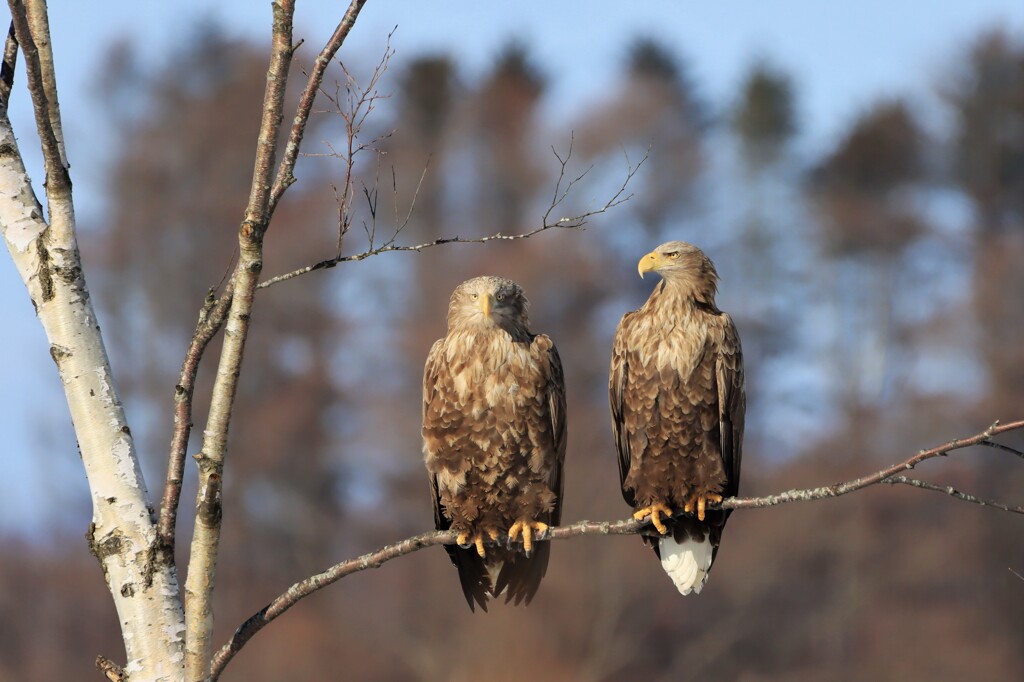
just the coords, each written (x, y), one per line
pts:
(474, 296)
(499, 297)
(673, 254)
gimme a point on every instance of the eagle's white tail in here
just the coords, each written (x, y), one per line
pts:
(686, 562)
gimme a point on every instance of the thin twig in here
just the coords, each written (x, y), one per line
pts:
(354, 109)
(286, 171)
(575, 222)
(1004, 448)
(850, 486)
(375, 559)
(952, 492)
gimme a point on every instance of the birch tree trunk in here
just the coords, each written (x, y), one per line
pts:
(122, 534)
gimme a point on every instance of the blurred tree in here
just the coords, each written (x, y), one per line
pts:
(768, 254)
(988, 161)
(426, 107)
(863, 192)
(654, 107)
(987, 99)
(858, 183)
(509, 171)
(171, 191)
(764, 117)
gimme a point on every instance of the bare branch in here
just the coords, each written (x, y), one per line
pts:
(58, 182)
(378, 557)
(202, 567)
(286, 171)
(575, 222)
(1004, 448)
(211, 319)
(7, 69)
(850, 486)
(39, 23)
(354, 108)
(953, 492)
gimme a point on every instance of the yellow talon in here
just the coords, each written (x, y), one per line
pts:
(699, 503)
(655, 511)
(527, 528)
(465, 541)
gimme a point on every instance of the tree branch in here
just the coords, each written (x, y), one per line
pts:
(378, 557)
(39, 23)
(575, 222)
(357, 105)
(211, 319)
(286, 172)
(879, 476)
(206, 534)
(953, 492)
(39, 72)
(7, 69)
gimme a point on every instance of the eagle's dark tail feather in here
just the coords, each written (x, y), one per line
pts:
(517, 578)
(520, 575)
(473, 575)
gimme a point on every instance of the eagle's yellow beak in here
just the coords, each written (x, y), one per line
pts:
(485, 305)
(648, 263)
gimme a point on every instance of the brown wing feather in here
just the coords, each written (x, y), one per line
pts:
(729, 403)
(617, 378)
(556, 414)
(732, 404)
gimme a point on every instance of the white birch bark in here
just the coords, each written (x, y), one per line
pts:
(123, 531)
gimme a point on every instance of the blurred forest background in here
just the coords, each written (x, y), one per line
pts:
(878, 287)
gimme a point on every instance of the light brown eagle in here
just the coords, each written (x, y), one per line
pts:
(494, 439)
(677, 400)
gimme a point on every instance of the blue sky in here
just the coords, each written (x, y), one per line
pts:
(842, 56)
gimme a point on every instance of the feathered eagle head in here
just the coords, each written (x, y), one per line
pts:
(484, 302)
(683, 265)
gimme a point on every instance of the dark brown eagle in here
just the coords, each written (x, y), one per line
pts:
(494, 439)
(677, 399)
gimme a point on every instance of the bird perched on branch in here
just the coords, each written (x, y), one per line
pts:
(677, 402)
(494, 440)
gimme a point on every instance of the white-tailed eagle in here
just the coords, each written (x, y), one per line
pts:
(494, 439)
(678, 404)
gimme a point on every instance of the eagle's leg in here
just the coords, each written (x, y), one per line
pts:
(526, 528)
(465, 540)
(698, 502)
(655, 511)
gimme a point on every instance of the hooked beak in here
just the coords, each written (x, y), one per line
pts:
(648, 263)
(485, 305)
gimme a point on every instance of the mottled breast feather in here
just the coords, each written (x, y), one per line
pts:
(494, 442)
